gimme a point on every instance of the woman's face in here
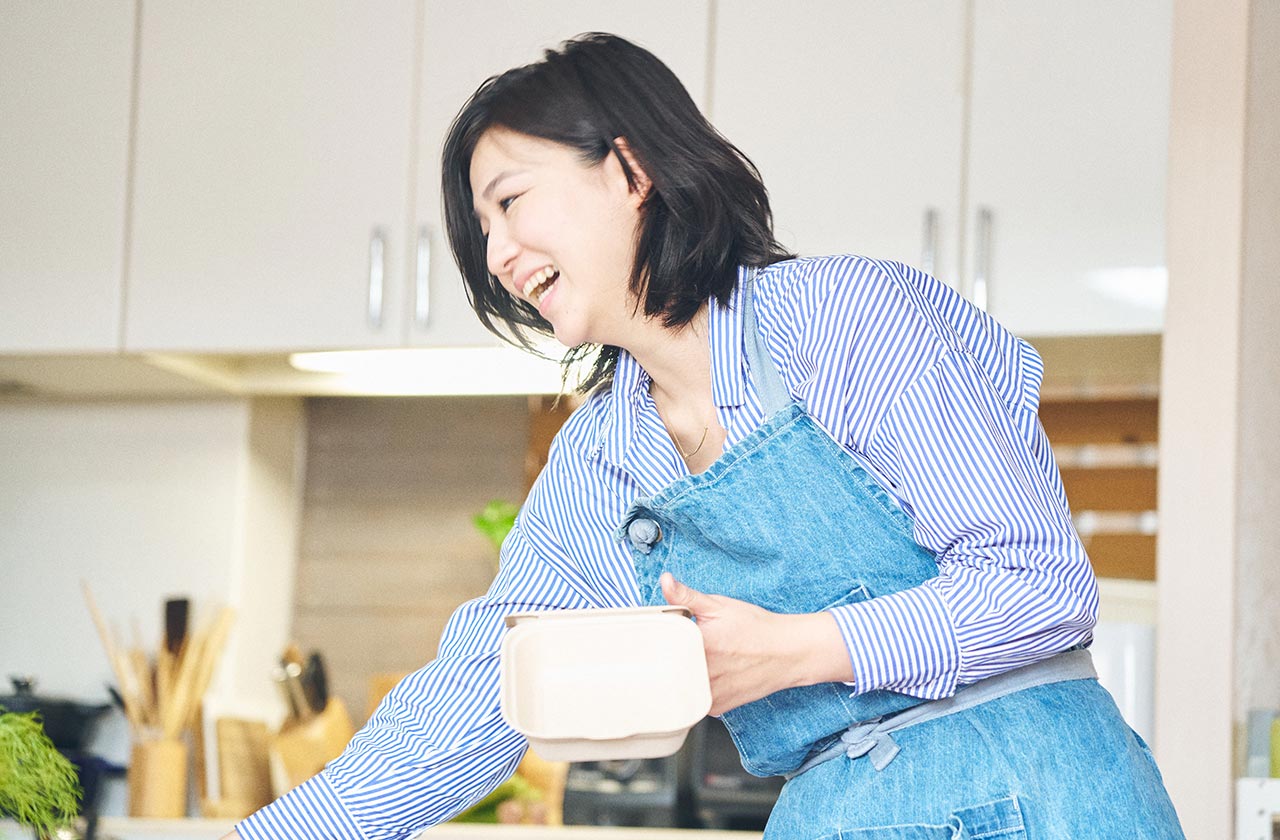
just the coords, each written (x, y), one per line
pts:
(561, 234)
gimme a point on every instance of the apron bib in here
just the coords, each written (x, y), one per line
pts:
(788, 520)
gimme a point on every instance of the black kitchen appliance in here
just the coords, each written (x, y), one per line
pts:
(723, 794)
(633, 792)
(702, 786)
(69, 724)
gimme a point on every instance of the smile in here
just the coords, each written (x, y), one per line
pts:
(540, 283)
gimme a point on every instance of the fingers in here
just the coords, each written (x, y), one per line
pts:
(679, 595)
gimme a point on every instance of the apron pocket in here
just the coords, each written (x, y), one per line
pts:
(856, 594)
(997, 820)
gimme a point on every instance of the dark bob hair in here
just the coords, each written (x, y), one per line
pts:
(706, 212)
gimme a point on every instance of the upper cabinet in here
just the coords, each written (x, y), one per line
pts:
(1068, 153)
(270, 190)
(1016, 150)
(287, 180)
(280, 189)
(65, 75)
(464, 44)
(853, 112)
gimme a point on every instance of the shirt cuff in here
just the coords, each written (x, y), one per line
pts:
(904, 642)
(310, 811)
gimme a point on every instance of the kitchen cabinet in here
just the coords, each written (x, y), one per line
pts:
(465, 43)
(1067, 162)
(287, 179)
(853, 111)
(1015, 150)
(270, 187)
(65, 76)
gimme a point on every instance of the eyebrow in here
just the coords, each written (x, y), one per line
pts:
(506, 173)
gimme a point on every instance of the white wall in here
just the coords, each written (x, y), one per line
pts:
(145, 501)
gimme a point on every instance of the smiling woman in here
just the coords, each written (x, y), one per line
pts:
(835, 464)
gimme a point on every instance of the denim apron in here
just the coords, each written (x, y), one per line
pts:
(786, 519)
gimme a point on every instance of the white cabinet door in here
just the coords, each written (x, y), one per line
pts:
(853, 113)
(273, 149)
(1067, 157)
(65, 72)
(465, 43)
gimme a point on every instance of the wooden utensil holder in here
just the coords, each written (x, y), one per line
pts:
(300, 750)
(158, 778)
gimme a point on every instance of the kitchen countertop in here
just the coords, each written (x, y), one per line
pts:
(124, 828)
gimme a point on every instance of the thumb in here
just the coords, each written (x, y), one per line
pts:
(679, 595)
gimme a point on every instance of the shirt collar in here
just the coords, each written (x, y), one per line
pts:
(631, 383)
(626, 395)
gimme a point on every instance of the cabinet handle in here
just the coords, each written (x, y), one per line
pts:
(929, 256)
(422, 280)
(982, 263)
(377, 275)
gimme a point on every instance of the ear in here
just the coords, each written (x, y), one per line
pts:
(642, 182)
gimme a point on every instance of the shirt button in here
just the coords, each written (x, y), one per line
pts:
(644, 534)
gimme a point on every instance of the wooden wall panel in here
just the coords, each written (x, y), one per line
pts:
(1125, 481)
(387, 548)
(1131, 556)
(546, 416)
(1101, 421)
(1110, 488)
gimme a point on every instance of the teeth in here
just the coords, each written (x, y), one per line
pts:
(538, 283)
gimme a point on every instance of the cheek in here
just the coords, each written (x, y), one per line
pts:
(530, 226)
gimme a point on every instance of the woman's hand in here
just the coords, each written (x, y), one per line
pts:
(752, 652)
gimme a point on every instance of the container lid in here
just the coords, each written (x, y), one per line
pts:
(603, 675)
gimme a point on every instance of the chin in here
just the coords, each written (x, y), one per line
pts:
(570, 336)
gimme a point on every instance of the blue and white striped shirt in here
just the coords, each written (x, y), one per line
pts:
(930, 394)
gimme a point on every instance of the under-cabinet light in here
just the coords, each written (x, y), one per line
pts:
(437, 370)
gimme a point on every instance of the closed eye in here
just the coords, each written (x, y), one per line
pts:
(505, 203)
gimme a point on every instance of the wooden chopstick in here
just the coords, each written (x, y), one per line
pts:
(180, 681)
(208, 660)
(199, 656)
(114, 658)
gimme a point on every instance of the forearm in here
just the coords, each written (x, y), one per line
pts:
(814, 649)
(979, 617)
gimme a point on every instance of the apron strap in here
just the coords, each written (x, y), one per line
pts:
(874, 738)
(772, 391)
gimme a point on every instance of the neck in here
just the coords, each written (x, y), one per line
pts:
(678, 361)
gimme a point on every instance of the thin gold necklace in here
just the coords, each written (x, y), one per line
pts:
(688, 455)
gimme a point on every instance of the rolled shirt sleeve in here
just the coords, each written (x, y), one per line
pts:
(940, 403)
(437, 743)
(1014, 582)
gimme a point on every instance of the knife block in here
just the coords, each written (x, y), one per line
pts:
(158, 778)
(302, 748)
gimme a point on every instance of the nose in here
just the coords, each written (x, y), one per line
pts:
(500, 251)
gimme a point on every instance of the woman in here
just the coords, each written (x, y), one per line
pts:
(835, 463)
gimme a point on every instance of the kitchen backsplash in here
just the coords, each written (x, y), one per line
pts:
(387, 548)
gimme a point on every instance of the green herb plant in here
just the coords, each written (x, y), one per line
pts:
(38, 785)
(488, 809)
(496, 520)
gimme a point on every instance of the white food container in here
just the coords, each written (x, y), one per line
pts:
(595, 685)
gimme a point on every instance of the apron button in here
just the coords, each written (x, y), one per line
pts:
(644, 533)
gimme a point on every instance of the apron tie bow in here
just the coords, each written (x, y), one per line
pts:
(870, 739)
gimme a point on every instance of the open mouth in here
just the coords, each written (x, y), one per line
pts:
(537, 286)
